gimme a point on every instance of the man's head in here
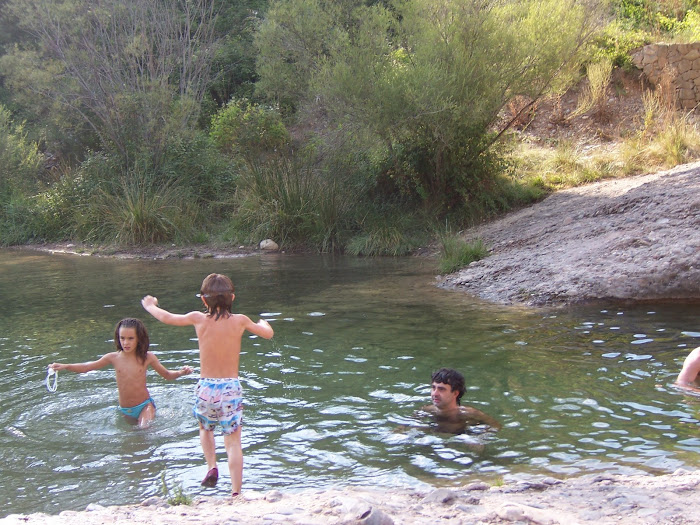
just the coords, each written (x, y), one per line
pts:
(440, 380)
(217, 293)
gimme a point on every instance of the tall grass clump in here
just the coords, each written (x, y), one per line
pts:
(387, 230)
(291, 202)
(134, 210)
(668, 137)
(456, 253)
(595, 95)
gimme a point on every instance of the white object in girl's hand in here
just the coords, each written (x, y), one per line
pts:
(51, 386)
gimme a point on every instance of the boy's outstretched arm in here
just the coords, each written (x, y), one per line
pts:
(262, 328)
(150, 304)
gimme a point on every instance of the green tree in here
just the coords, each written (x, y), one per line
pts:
(134, 71)
(234, 62)
(423, 79)
(293, 42)
(20, 160)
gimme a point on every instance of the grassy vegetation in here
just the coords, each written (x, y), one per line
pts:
(320, 154)
(456, 253)
(176, 496)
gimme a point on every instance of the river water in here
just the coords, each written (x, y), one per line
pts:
(332, 398)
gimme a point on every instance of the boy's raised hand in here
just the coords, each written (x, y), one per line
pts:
(149, 300)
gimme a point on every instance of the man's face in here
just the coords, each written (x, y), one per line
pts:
(442, 395)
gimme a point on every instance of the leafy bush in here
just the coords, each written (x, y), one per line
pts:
(247, 129)
(193, 163)
(615, 44)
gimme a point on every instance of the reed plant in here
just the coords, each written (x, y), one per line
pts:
(176, 496)
(595, 95)
(15, 228)
(291, 202)
(136, 210)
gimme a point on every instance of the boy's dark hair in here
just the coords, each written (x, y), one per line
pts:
(217, 291)
(450, 377)
(143, 342)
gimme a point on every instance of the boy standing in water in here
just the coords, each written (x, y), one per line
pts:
(218, 394)
(130, 361)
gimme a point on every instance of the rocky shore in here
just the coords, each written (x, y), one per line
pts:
(631, 239)
(599, 499)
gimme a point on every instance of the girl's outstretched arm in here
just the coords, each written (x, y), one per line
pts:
(81, 368)
(156, 365)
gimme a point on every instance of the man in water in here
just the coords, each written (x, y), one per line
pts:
(689, 373)
(447, 388)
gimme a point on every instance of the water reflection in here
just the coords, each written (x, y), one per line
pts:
(576, 390)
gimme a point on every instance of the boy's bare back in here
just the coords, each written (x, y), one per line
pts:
(219, 339)
(220, 343)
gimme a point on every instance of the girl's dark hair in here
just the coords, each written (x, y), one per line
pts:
(217, 291)
(141, 335)
(450, 377)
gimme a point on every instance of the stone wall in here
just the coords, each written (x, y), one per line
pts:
(677, 64)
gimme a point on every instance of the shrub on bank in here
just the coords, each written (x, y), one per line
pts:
(291, 201)
(456, 253)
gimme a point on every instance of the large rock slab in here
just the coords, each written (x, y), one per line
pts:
(631, 239)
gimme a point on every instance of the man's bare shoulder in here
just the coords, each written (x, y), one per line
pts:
(469, 411)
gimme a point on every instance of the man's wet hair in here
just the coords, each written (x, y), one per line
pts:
(451, 377)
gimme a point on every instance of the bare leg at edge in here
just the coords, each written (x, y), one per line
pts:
(206, 438)
(234, 451)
